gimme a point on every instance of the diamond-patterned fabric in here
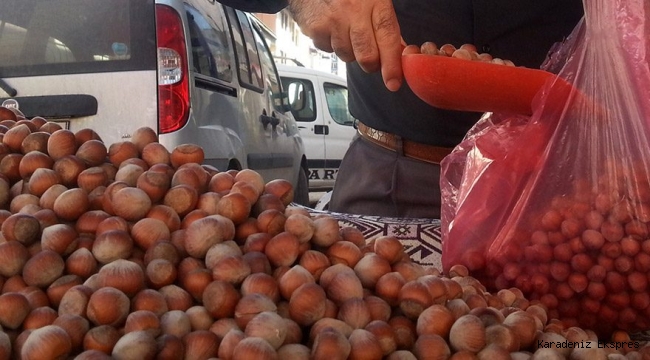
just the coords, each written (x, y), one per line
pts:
(420, 237)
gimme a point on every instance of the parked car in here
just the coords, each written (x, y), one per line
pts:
(319, 103)
(194, 70)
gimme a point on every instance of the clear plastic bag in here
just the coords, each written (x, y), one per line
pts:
(558, 204)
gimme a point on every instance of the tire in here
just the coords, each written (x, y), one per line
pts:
(301, 193)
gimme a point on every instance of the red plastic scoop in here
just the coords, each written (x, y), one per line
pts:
(458, 84)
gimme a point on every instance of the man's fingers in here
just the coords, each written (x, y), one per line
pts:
(342, 45)
(323, 43)
(389, 42)
(365, 47)
(320, 34)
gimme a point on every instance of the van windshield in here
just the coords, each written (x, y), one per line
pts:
(47, 37)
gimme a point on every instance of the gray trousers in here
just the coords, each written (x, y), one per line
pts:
(379, 182)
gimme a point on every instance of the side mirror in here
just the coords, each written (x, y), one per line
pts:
(297, 96)
(286, 106)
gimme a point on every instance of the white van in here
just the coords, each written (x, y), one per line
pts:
(195, 70)
(319, 103)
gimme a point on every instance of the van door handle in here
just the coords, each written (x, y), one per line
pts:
(266, 120)
(274, 120)
(321, 129)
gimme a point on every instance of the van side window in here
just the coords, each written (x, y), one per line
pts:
(209, 40)
(76, 37)
(337, 103)
(302, 98)
(248, 61)
(270, 75)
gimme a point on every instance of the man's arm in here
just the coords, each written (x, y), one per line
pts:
(261, 6)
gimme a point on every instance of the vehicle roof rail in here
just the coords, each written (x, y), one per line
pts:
(294, 60)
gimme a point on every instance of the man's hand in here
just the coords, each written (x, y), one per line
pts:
(363, 30)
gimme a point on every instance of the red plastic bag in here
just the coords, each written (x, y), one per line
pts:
(558, 204)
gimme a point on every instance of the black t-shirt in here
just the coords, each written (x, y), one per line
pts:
(519, 30)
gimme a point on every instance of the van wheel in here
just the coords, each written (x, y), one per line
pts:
(301, 193)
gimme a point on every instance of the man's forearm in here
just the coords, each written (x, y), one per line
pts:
(262, 6)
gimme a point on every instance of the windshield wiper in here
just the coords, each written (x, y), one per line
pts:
(7, 88)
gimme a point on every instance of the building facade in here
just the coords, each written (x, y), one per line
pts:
(290, 46)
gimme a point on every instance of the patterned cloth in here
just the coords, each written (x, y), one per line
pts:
(420, 237)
